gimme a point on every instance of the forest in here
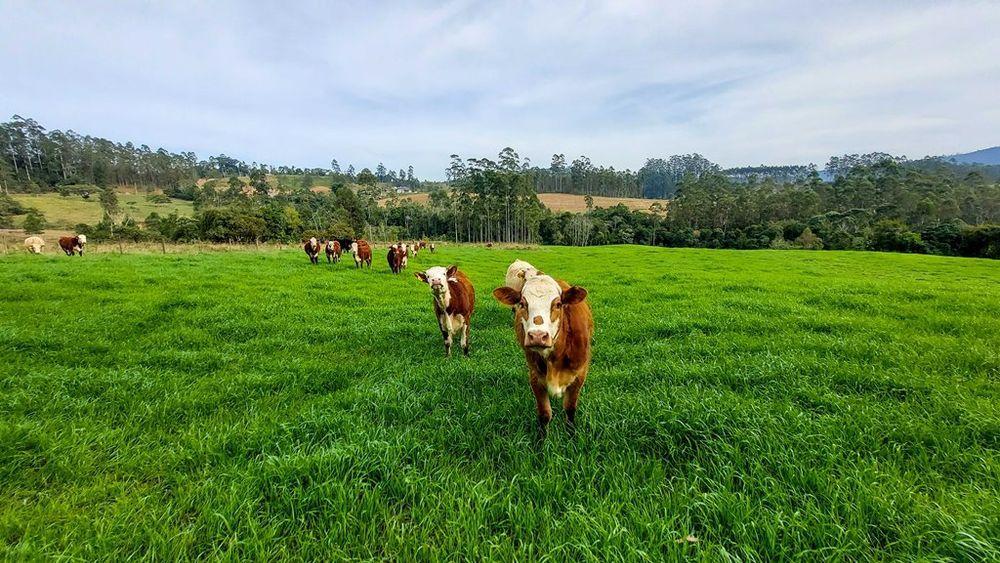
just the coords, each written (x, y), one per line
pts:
(857, 202)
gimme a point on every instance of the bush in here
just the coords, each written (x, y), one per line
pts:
(809, 241)
(34, 222)
(893, 236)
(983, 242)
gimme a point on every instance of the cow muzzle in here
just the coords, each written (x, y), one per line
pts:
(538, 339)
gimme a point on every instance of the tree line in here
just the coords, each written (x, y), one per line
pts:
(34, 160)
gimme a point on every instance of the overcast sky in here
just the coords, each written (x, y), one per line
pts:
(410, 83)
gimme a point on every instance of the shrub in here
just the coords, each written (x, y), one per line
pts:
(34, 222)
(893, 236)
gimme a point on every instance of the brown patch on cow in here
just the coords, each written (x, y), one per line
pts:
(538, 320)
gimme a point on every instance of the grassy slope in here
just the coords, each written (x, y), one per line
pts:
(66, 212)
(838, 405)
(567, 202)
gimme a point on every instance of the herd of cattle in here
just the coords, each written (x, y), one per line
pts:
(552, 321)
(362, 251)
(70, 245)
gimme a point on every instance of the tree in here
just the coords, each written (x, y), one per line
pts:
(109, 203)
(34, 222)
(366, 178)
(334, 166)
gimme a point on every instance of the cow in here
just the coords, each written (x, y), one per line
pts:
(432, 247)
(73, 245)
(312, 250)
(395, 258)
(405, 258)
(454, 302)
(554, 326)
(332, 251)
(362, 252)
(34, 245)
(423, 244)
(517, 272)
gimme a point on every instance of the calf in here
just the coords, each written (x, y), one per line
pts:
(332, 251)
(395, 258)
(554, 327)
(34, 245)
(362, 252)
(73, 245)
(454, 302)
(312, 250)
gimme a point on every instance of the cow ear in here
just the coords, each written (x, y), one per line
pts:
(574, 295)
(420, 276)
(507, 295)
(451, 270)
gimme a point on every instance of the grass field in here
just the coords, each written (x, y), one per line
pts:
(568, 202)
(64, 213)
(770, 404)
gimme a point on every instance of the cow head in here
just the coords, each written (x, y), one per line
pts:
(354, 247)
(437, 278)
(82, 239)
(539, 308)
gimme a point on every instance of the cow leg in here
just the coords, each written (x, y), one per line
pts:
(570, 399)
(465, 338)
(542, 406)
(447, 342)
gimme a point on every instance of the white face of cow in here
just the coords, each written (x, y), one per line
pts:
(313, 243)
(437, 279)
(537, 297)
(82, 239)
(354, 247)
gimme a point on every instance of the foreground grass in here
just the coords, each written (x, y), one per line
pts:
(771, 404)
(66, 212)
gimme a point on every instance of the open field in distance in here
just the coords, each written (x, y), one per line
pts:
(568, 202)
(63, 213)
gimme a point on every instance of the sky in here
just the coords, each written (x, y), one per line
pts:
(742, 83)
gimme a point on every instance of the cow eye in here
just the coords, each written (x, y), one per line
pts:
(523, 303)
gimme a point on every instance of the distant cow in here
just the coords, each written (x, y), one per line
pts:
(34, 245)
(454, 302)
(404, 261)
(362, 252)
(312, 250)
(395, 258)
(517, 272)
(554, 326)
(432, 247)
(423, 244)
(73, 245)
(332, 251)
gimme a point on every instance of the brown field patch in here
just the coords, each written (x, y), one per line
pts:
(564, 202)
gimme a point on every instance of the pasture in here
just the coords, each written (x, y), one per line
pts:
(63, 213)
(768, 404)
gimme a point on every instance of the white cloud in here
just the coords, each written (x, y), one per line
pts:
(741, 82)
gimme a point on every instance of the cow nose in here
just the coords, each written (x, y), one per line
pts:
(539, 338)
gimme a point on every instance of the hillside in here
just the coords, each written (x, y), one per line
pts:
(567, 202)
(65, 212)
(983, 156)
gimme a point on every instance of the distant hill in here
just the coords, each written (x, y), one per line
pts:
(984, 156)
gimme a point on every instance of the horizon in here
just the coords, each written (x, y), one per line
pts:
(411, 85)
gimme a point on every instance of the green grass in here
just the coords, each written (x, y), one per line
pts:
(66, 212)
(774, 405)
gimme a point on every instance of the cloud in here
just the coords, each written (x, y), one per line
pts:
(411, 83)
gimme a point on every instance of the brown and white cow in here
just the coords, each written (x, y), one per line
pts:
(332, 251)
(517, 272)
(362, 252)
(395, 258)
(73, 245)
(454, 302)
(423, 244)
(312, 250)
(34, 245)
(554, 327)
(432, 247)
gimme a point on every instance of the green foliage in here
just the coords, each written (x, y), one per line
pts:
(893, 236)
(34, 222)
(250, 406)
